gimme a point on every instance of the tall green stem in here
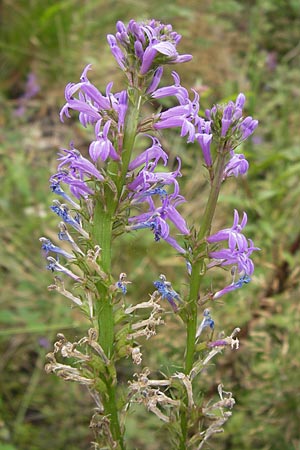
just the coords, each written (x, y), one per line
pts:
(198, 270)
(104, 211)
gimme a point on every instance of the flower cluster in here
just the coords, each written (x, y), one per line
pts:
(149, 185)
(237, 254)
(221, 123)
(144, 47)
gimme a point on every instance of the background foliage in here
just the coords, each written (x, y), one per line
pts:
(249, 46)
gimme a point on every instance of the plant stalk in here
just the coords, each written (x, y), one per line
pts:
(198, 270)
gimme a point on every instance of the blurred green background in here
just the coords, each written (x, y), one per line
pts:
(249, 46)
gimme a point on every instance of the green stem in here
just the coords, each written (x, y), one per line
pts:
(104, 211)
(198, 270)
(112, 410)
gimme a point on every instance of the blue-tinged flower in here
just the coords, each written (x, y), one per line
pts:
(78, 186)
(166, 291)
(102, 147)
(156, 220)
(55, 266)
(64, 235)
(207, 322)
(48, 246)
(152, 220)
(122, 283)
(56, 189)
(63, 211)
(147, 178)
(237, 165)
(244, 279)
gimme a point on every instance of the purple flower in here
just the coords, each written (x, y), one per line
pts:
(166, 291)
(247, 127)
(77, 163)
(177, 90)
(102, 148)
(239, 248)
(78, 186)
(237, 165)
(233, 234)
(204, 141)
(227, 118)
(116, 51)
(90, 102)
(147, 178)
(156, 220)
(228, 123)
(155, 152)
(155, 80)
(236, 255)
(185, 116)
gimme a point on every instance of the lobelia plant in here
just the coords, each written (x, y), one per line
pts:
(109, 193)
